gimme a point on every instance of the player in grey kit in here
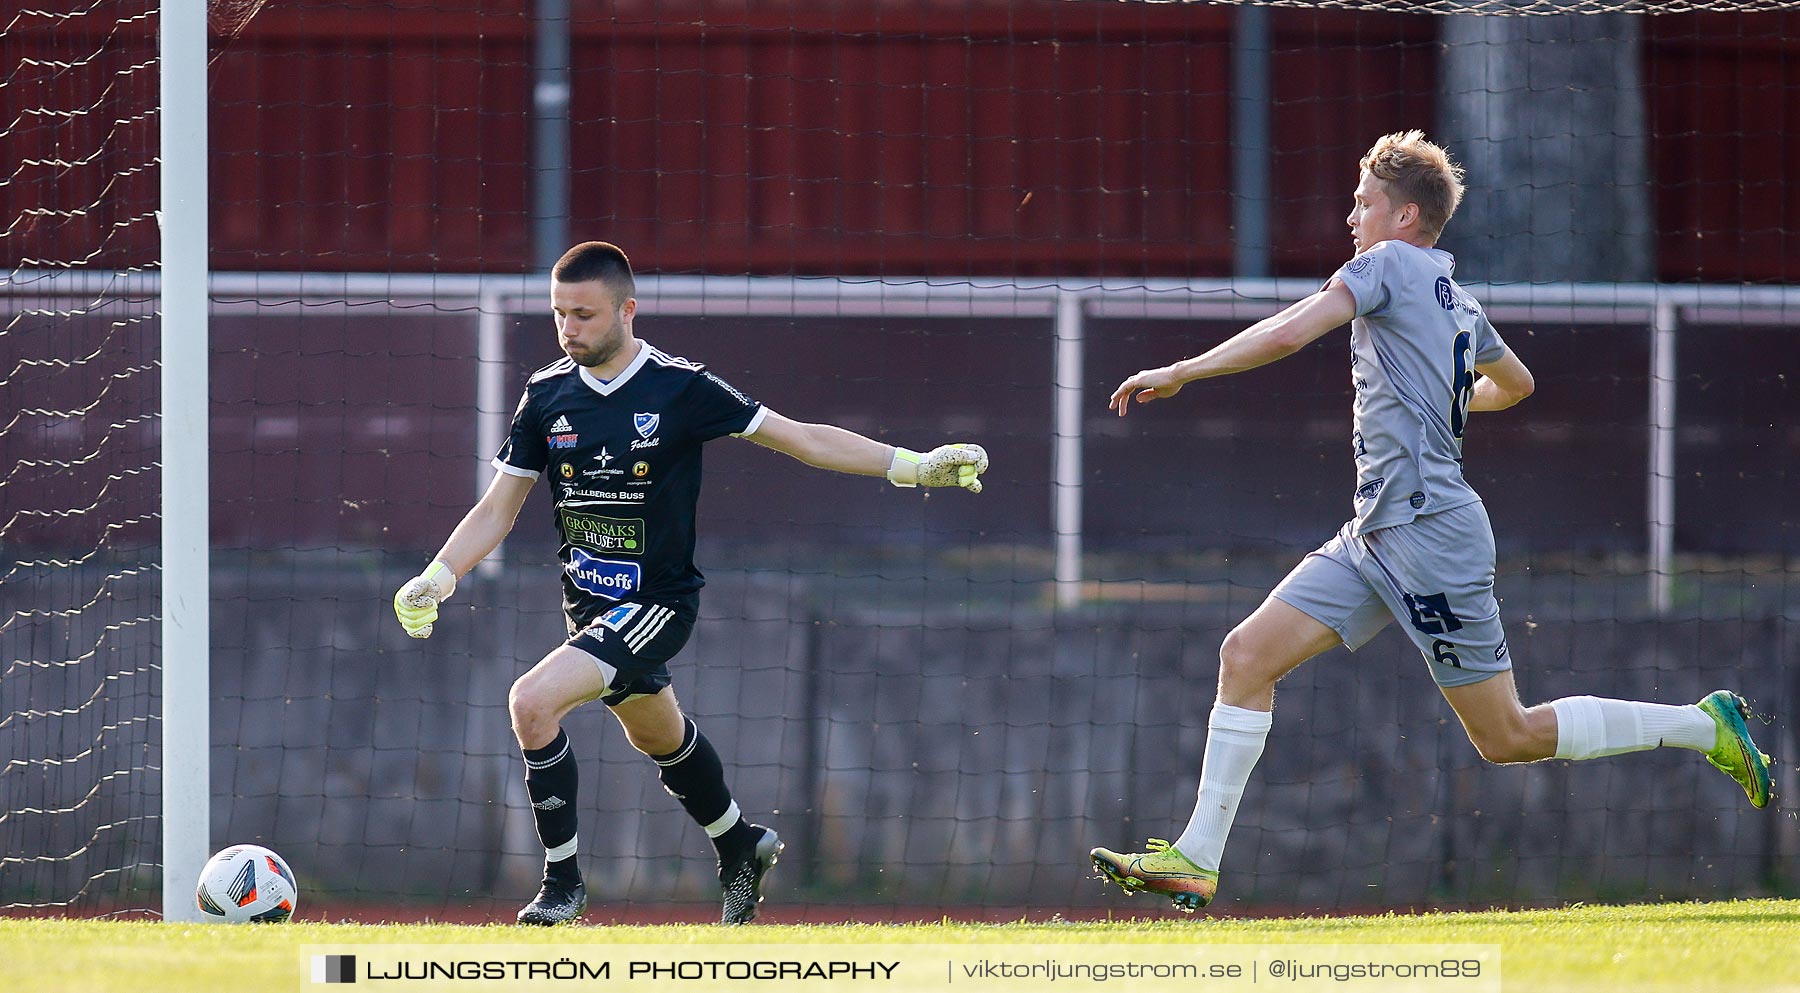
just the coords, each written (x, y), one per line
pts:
(1423, 357)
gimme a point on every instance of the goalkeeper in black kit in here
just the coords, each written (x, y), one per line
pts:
(616, 428)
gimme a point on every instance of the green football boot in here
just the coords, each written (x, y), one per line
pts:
(1735, 754)
(1163, 870)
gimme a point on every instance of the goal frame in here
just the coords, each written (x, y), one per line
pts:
(186, 573)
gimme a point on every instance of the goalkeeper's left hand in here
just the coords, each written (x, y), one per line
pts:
(946, 465)
(417, 602)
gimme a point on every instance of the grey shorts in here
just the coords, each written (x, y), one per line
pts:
(1435, 575)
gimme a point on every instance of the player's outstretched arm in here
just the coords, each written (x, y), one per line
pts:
(481, 531)
(1258, 345)
(830, 447)
(1504, 382)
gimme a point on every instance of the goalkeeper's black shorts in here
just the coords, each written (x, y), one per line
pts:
(636, 639)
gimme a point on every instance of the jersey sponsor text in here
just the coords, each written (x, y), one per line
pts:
(608, 578)
(611, 535)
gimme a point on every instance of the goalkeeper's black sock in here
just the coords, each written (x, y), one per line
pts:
(562, 869)
(694, 775)
(551, 781)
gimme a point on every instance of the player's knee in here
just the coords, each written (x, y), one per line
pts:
(1504, 746)
(655, 732)
(530, 712)
(1239, 664)
(654, 743)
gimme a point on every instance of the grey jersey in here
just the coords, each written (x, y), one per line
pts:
(1414, 346)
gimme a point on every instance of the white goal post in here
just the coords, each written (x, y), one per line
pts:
(186, 614)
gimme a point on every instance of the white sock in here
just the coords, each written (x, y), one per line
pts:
(1234, 741)
(1591, 727)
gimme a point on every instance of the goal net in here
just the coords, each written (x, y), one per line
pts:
(925, 222)
(79, 769)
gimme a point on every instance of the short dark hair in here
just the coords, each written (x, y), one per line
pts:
(597, 260)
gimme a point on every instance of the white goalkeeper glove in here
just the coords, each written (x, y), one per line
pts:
(946, 465)
(417, 602)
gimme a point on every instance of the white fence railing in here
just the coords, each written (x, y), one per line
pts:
(1064, 304)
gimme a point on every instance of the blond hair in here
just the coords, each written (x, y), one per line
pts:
(1417, 171)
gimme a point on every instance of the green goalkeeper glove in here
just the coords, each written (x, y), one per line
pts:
(946, 465)
(417, 602)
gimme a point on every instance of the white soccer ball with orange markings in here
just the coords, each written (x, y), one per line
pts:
(247, 884)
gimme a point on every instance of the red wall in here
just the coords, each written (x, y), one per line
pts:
(1047, 139)
(78, 137)
(1725, 109)
(384, 137)
(946, 138)
(1340, 80)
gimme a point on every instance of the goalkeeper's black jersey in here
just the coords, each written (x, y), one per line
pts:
(623, 462)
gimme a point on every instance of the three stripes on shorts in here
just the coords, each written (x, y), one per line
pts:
(647, 627)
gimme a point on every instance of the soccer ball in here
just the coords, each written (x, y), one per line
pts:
(247, 884)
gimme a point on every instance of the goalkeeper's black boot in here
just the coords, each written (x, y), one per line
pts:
(559, 901)
(741, 875)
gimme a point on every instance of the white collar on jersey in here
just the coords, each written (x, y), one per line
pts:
(611, 386)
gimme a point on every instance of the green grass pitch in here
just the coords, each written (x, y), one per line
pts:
(1738, 946)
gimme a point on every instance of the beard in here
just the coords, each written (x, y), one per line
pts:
(591, 357)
